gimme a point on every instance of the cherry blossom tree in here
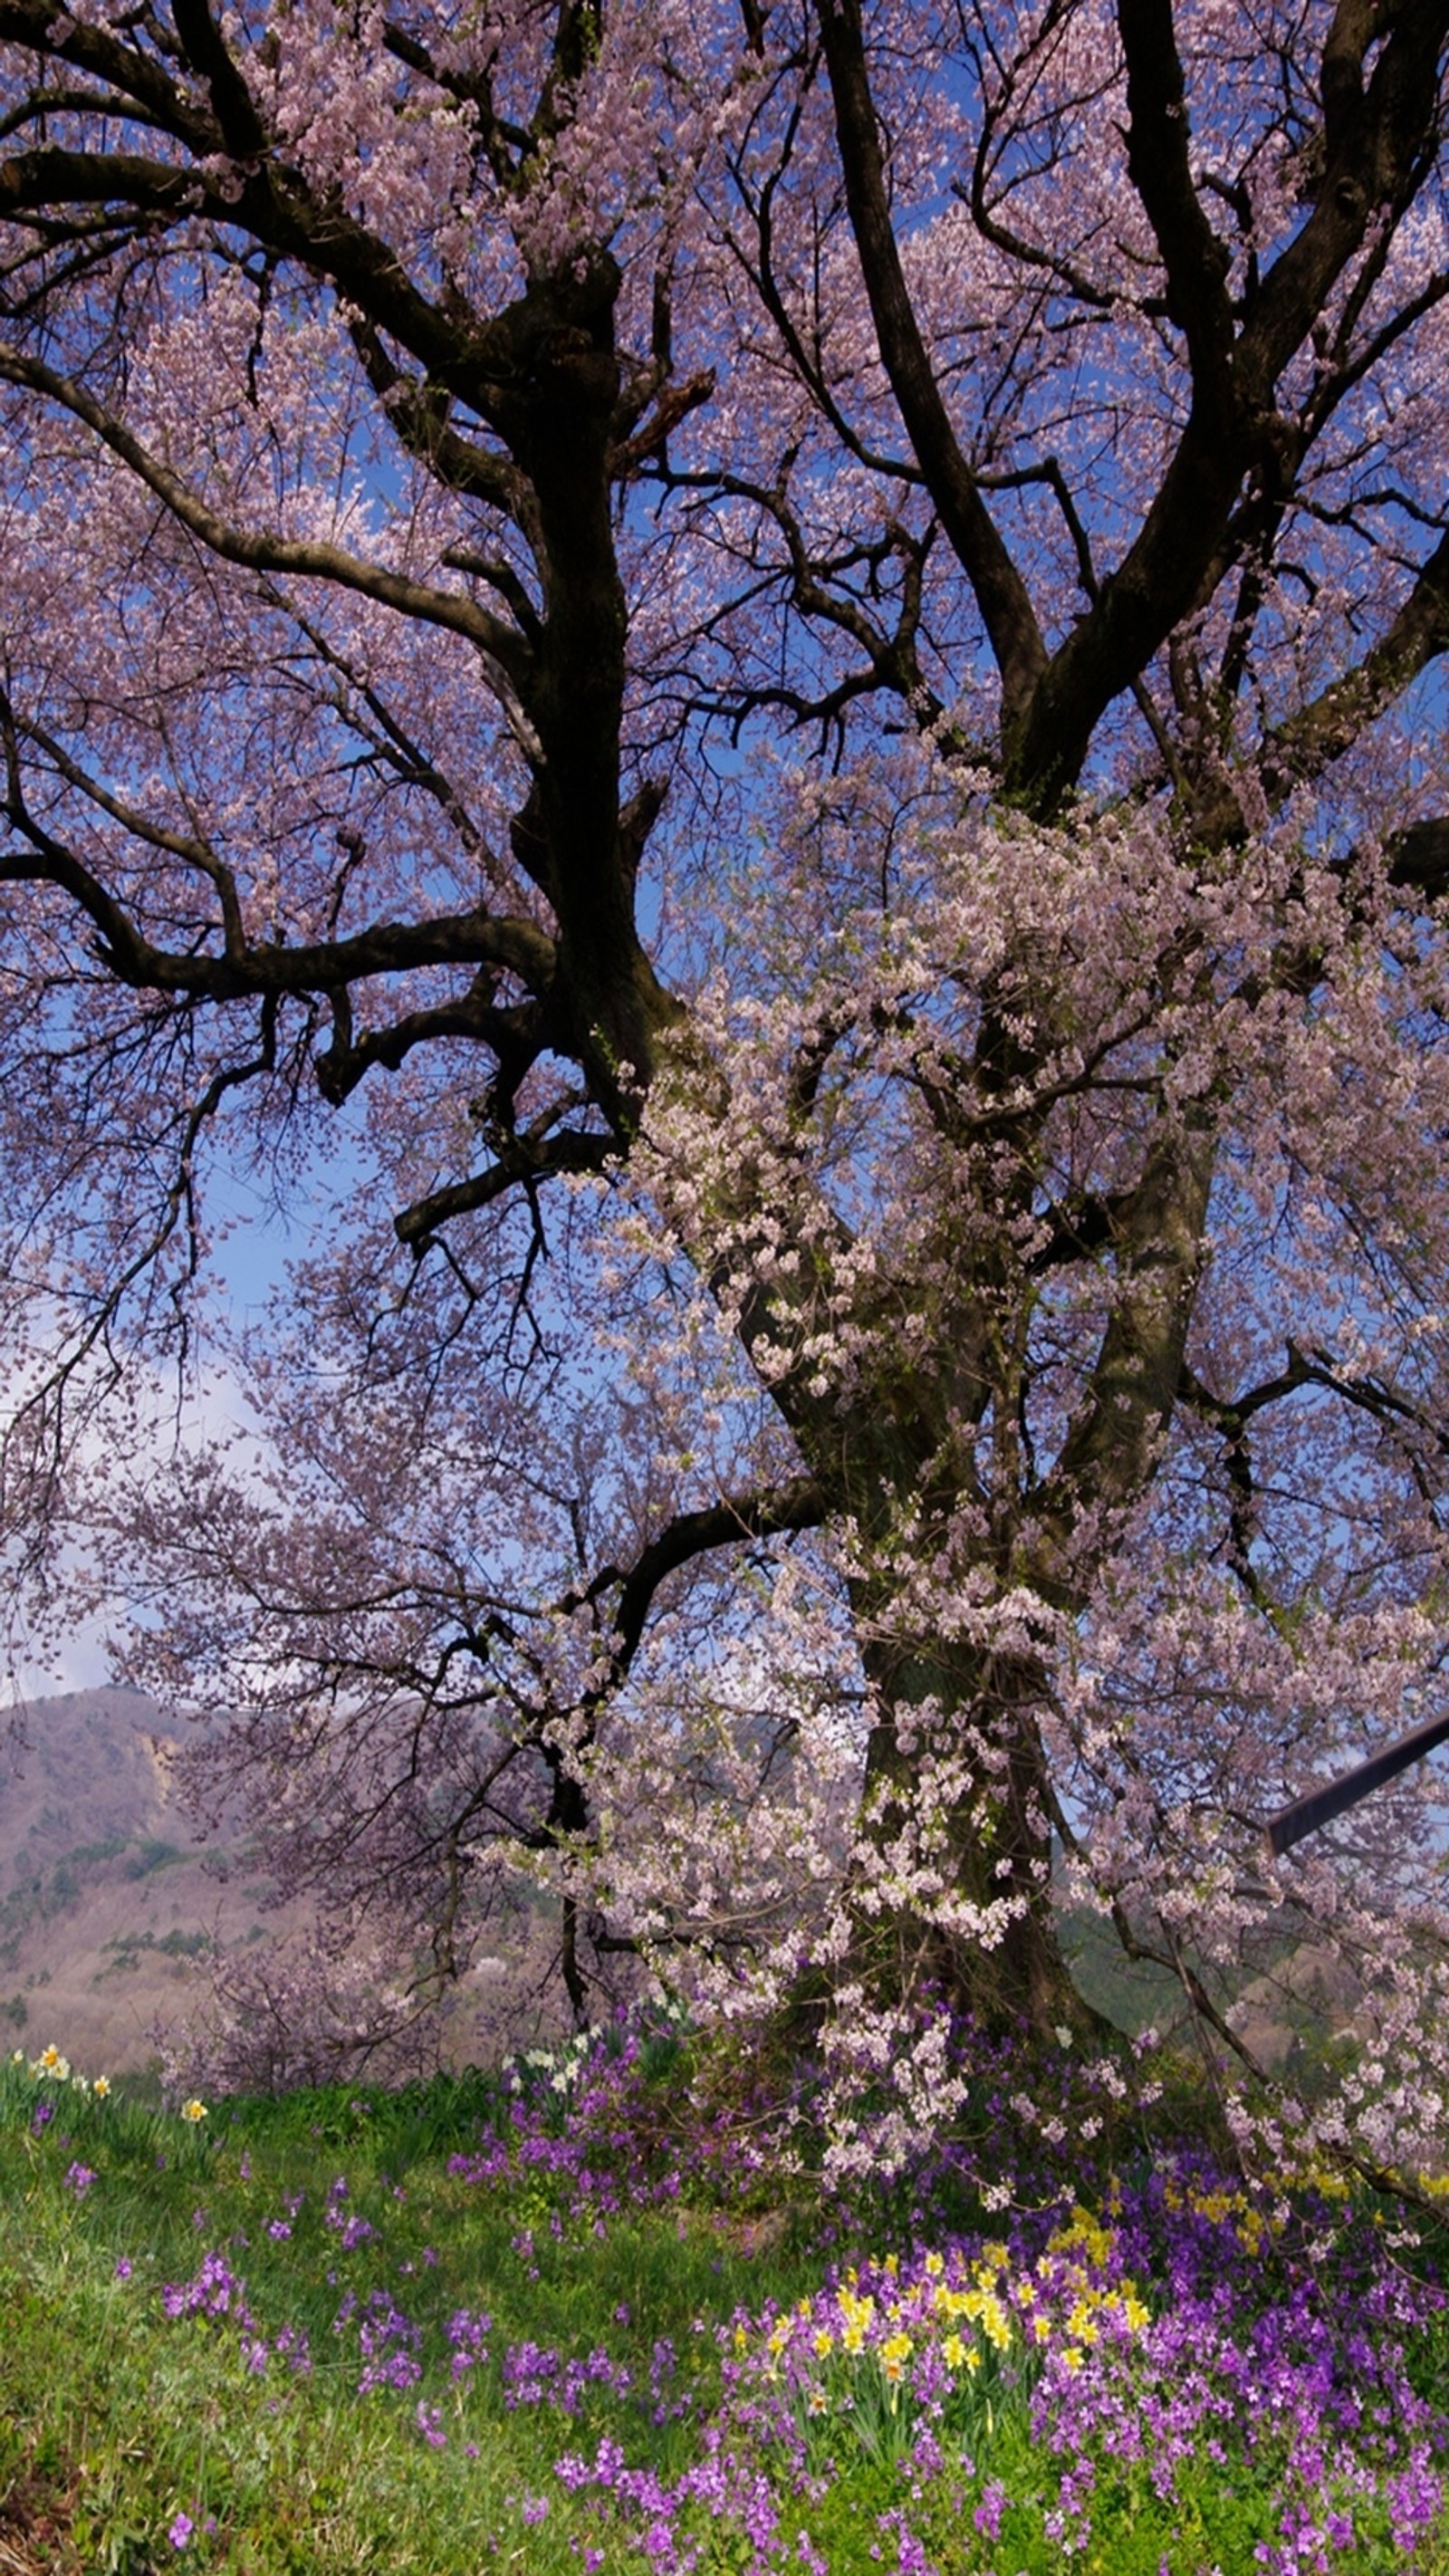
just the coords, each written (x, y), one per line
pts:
(752, 697)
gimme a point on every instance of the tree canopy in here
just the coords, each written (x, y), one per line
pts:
(784, 664)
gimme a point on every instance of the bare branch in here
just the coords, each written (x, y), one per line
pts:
(1010, 618)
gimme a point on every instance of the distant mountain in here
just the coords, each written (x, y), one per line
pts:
(108, 1892)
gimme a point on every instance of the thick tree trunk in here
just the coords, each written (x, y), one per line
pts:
(986, 1944)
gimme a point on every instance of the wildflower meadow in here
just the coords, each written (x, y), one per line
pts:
(604, 2309)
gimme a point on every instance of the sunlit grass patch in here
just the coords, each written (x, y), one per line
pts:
(449, 2329)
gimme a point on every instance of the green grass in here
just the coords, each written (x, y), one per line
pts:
(117, 2418)
(133, 2440)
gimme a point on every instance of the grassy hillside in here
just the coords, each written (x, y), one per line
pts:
(598, 2313)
